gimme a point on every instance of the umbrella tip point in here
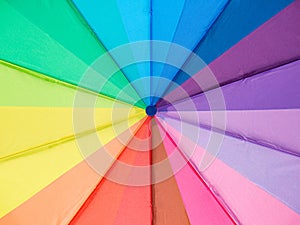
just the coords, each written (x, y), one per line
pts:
(151, 110)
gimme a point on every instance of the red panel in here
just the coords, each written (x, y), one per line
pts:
(114, 203)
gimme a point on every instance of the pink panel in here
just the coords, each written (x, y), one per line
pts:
(200, 204)
(249, 203)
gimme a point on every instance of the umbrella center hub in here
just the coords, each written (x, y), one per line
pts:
(151, 110)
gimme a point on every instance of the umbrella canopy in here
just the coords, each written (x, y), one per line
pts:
(149, 112)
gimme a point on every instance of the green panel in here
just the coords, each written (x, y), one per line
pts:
(50, 37)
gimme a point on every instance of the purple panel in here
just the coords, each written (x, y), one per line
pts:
(278, 129)
(276, 172)
(275, 43)
(273, 89)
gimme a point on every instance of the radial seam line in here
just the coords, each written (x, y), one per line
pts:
(62, 140)
(209, 187)
(197, 46)
(84, 21)
(97, 186)
(239, 137)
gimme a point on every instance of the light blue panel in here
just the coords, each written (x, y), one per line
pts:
(105, 20)
(136, 18)
(165, 19)
(117, 22)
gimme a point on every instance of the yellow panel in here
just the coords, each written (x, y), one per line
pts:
(26, 174)
(23, 128)
(23, 87)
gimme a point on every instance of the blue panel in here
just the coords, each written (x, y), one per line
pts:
(184, 23)
(237, 20)
(165, 18)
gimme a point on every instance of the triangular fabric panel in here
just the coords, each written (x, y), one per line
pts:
(115, 24)
(272, 89)
(115, 202)
(168, 207)
(172, 23)
(277, 129)
(235, 23)
(65, 195)
(254, 162)
(200, 203)
(32, 102)
(50, 47)
(31, 171)
(269, 46)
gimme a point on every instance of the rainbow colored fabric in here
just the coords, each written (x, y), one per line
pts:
(149, 112)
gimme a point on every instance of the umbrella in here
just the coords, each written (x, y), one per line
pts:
(149, 112)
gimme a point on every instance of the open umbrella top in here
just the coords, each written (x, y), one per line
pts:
(133, 112)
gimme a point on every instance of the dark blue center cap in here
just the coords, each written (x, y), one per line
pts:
(151, 110)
